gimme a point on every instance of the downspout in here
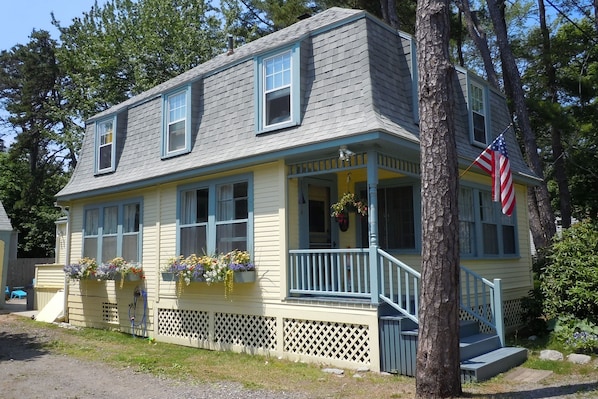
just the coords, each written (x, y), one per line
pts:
(372, 174)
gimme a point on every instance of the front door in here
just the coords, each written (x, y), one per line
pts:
(316, 228)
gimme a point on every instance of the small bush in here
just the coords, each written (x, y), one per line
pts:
(579, 336)
(569, 281)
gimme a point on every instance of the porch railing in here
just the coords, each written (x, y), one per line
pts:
(330, 272)
(347, 273)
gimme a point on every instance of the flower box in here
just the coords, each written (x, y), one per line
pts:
(244, 277)
(130, 277)
(167, 276)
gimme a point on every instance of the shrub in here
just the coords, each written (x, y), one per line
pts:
(569, 281)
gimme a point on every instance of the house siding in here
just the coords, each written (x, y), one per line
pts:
(356, 89)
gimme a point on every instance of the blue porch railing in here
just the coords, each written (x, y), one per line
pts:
(347, 273)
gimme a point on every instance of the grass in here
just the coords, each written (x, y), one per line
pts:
(196, 366)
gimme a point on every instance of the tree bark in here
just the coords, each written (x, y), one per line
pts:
(558, 155)
(543, 217)
(389, 13)
(437, 370)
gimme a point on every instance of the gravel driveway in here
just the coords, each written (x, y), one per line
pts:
(28, 372)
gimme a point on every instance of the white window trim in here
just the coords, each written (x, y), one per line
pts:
(112, 166)
(260, 95)
(165, 123)
(484, 88)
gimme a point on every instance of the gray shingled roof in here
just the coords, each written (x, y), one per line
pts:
(4, 220)
(347, 59)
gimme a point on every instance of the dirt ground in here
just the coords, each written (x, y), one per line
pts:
(28, 372)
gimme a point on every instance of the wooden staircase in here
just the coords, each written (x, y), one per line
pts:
(482, 355)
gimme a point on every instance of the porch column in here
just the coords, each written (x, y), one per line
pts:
(372, 169)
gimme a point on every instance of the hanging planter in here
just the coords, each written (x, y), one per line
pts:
(349, 202)
(343, 220)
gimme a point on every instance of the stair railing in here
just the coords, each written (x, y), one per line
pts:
(480, 298)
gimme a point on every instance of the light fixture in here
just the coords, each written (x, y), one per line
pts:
(344, 153)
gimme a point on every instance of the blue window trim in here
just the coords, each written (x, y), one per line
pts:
(164, 145)
(120, 234)
(212, 195)
(112, 167)
(471, 80)
(478, 228)
(295, 90)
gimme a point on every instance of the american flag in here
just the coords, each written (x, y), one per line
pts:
(495, 161)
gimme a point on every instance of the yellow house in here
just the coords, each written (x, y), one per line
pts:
(254, 150)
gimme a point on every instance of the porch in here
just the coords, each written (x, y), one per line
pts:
(375, 276)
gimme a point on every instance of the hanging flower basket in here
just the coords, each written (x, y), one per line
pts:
(349, 202)
(343, 221)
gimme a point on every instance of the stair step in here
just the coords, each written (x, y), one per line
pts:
(477, 344)
(468, 327)
(488, 365)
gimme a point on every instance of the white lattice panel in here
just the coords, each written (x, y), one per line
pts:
(511, 315)
(512, 312)
(182, 323)
(245, 330)
(338, 341)
(110, 312)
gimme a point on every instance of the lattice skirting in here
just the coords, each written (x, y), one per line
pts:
(110, 312)
(327, 340)
(511, 313)
(249, 331)
(322, 340)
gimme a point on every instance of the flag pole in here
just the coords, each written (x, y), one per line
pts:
(489, 145)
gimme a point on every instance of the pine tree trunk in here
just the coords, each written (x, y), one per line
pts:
(437, 370)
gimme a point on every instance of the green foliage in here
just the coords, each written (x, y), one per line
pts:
(570, 278)
(577, 335)
(125, 47)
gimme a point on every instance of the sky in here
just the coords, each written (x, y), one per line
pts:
(18, 18)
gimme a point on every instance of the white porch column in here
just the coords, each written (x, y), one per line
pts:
(372, 172)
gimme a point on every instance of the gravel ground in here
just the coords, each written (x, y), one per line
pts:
(28, 372)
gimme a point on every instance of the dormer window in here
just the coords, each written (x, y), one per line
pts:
(278, 90)
(105, 138)
(479, 112)
(177, 131)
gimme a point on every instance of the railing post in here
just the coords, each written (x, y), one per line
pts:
(372, 174)
(498, 313)
(374, 268)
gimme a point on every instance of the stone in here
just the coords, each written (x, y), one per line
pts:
(549, 354)
(578, 358)
(334, 371)
(357, 376)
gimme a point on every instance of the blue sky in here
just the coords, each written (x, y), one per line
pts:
(19, 17)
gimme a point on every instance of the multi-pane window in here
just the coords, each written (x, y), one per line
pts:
(231, 217)
(105, 145)
(396, 218)
(176, 123)
(214, 218)
(277, 89)
(478, 112)
(483, 229)
(112, 230)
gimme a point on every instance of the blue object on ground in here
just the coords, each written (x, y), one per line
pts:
(18, 294)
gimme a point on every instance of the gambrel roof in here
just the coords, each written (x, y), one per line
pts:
(356, 86)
